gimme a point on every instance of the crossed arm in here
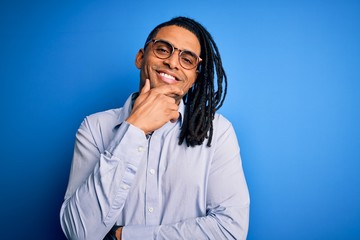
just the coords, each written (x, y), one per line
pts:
(100, 181)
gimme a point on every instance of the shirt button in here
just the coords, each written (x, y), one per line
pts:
(140, 149)
(151, 209)
(152, 171)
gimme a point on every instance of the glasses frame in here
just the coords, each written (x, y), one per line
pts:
(153, 41)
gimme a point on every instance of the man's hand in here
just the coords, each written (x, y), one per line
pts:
(155, 107)
(118, 233)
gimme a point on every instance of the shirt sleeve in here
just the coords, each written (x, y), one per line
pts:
(227, 201)
(99, 182)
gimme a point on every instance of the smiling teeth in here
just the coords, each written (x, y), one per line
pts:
(167, 76)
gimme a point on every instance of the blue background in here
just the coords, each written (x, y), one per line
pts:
(293, 98)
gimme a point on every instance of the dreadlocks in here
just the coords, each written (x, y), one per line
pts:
(202, 100)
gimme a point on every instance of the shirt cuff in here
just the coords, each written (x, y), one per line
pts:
(129, 136)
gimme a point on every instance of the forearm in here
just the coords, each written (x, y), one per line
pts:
(91, 208)
(94, 207)
(227, 214)
(213, 226)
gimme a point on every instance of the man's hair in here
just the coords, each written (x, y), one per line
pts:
(205, 96)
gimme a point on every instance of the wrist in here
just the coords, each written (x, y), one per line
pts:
(133, 122)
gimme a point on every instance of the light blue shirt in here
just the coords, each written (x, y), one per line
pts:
(154, 187)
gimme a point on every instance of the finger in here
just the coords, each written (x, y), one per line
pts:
(175, 117)
(139, 100)
(146, 87)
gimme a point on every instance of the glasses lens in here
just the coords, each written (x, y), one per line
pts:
(188, 59)
(162, 49)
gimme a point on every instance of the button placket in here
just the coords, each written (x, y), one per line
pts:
(152, 197)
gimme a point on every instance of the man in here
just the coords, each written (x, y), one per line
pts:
(165, 165)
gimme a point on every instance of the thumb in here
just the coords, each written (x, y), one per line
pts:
(146, 86)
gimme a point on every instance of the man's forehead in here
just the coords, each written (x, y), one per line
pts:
(180, 37)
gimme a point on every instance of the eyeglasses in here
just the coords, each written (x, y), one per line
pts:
(163, 50)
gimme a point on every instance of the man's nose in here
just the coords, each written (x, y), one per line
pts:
(173, 60)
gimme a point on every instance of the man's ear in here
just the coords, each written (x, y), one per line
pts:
(139, 58)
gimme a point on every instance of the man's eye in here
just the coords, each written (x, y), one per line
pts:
(162, 50)
(187, 59)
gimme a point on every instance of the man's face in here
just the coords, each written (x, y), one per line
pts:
(169, 71)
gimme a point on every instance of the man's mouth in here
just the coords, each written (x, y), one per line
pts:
(167, 77)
